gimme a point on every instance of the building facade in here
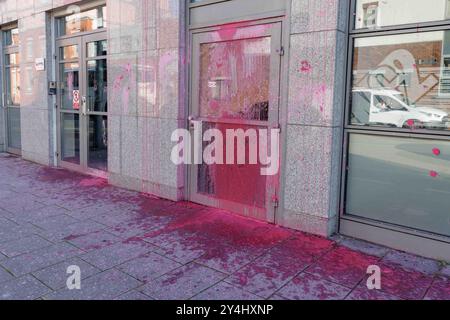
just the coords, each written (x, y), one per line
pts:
(357, 91)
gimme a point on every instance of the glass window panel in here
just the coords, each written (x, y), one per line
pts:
(403, 181)
(97, 48)
(13, 125)
(97, 86)
(12, 59)
(235, 79)
(12, 82)
(82, 22)
(70, 138)
(98, 143)
(11, 37)
(69, 52)
(70, 86)
(375, 14)
(402, 81)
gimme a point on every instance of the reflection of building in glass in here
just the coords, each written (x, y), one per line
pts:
(371, 14)
(414, 64)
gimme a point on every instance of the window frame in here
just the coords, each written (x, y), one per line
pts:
(62, 14)
(353, 30)
(369, 33)
(348, 128)
(9, 50)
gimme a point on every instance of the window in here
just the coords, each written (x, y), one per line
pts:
(362, 102)
(89, 20)
(404, 78)
(408, 69)
(385, 104)
(371, 14)
(447, 15)
(11, 37)
(445, 78)
(399, 181)
(12, 87)
(398, 122)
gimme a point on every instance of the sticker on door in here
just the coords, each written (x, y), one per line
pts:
(76, 99)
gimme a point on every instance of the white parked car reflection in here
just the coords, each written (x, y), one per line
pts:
(390, 108)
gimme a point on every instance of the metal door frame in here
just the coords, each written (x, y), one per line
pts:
(81, 40)
(272, 183)
(5, 107)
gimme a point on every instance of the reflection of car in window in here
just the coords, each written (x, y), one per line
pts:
(391, 108)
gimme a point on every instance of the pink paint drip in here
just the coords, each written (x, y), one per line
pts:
(436, 151)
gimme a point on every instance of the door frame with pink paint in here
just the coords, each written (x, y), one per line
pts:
(262, 192)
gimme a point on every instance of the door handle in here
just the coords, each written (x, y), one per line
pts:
(192, 121)
(83, 106)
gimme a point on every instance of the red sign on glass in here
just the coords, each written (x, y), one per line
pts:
(76, 99)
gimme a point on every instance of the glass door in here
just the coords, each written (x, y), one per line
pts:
(234, 94)
(82, 103)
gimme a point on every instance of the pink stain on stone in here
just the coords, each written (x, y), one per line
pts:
(305, 66)
(93, 182)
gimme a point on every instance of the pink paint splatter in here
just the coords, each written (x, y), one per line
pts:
(434, 174)
(305, 66)
(436, 151)
(228, 31)
(410, 123)
(214, 104)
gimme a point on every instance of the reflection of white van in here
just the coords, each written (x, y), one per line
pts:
(390, 108)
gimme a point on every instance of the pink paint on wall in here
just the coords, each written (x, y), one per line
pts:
(305, 66)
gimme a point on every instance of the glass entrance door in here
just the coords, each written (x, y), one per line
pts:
(82, 103)
(234, 95)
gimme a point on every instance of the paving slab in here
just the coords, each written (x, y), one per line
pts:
(56, 276)
(268, 274)
(362, 293)
(24, 288)
(412, 262)
(107, 285)
(311, 287)
(40, 259)
(403, 283)
(134, 296)
(227, 292)
(5, 275)
(343, 266)
(24, 245)
(118, 253)
(149, 267)
(93, 241)
(183, 283)
(440, 289)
